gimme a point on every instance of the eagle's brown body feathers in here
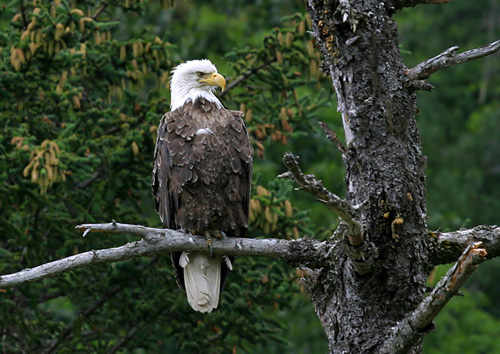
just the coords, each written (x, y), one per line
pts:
(202, 173)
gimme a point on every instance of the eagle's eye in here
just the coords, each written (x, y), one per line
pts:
(200, 74)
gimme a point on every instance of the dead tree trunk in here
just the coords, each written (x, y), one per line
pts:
(377, 276)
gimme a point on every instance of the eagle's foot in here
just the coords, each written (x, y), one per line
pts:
(221, 235)
(208, 236)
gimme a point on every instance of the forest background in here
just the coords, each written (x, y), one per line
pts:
(83, 85)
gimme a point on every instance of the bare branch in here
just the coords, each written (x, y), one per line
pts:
(99, 11)
(448, 58)
(157, 241)
(409, 330)
(147, 233)
(130, 334)
(244, 77)
(67, 331)
(88, 181)
(332, 136)
(339, 206)
(452, 244)
(399, 4)
(23, 14)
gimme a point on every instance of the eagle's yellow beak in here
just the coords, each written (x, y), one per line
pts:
(215, 79)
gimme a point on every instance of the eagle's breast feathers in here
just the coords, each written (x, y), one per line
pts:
(204, 155)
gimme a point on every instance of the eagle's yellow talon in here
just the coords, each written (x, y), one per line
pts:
(209, 244)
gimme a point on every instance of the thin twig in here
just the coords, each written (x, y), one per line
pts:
(147, 233)
(130, 334)
(408, 331)
(23, 14)
(157, 241)
(244, 77)
(22, 300)
(339, 206)
(332, 136)
(84, 184)
(448, 58)
(67, 331)
(99, 11)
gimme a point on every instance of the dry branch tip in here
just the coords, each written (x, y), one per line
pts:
(410, 329)
(448, 58)
(313, 186)
(332, 136)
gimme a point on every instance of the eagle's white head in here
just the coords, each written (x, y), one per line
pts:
(194, 79)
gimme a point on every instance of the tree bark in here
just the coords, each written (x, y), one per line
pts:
(384, 175)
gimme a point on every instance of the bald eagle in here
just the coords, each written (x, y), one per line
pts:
(202, 176)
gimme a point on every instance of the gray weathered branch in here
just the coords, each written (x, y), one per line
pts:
(332, 136)
(157, 241)
(448, 58)
(399, 4)
(452, 244)
(408, 331)
(338, 205)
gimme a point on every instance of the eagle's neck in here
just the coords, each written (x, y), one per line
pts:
(182, 94)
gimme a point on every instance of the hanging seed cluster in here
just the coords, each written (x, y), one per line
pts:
(62, 32)
(87, 83)
(43, 169)
(268, 212)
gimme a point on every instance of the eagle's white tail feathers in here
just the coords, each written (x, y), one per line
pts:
(202, 276)
(229, 265)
